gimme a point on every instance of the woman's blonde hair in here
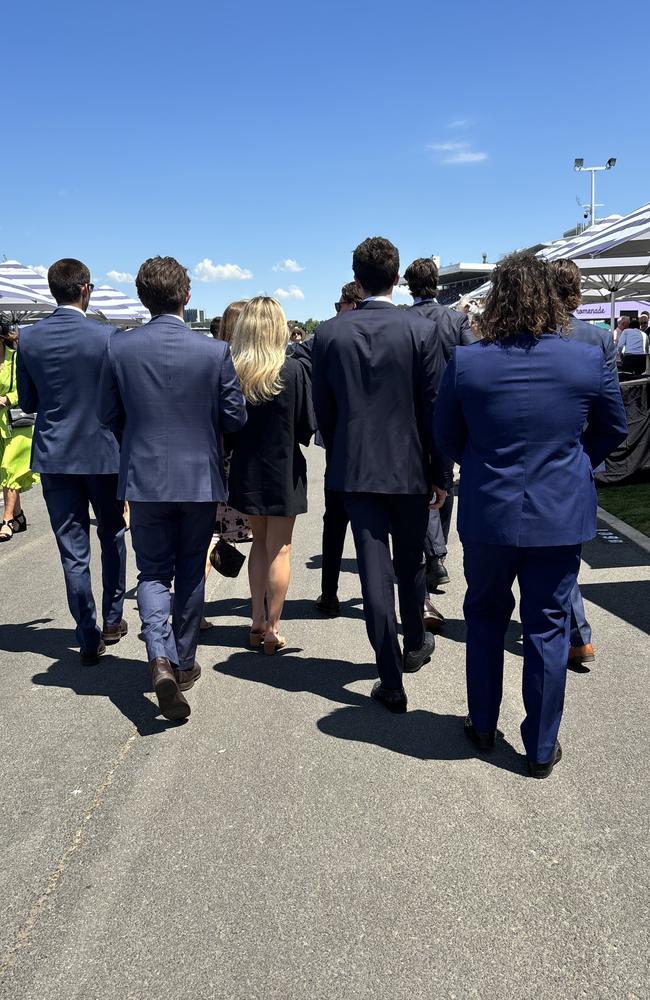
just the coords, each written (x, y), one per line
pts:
(259, 346)
(229, 319)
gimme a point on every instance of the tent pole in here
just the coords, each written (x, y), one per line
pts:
(612, 321)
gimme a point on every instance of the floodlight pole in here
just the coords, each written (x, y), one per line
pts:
(580, 168)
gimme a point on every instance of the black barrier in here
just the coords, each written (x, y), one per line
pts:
(632, 458)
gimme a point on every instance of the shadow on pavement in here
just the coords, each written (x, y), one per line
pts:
(420, 734)
(322, 677)
(629, 601)
(293, 610)
(347, 565)
(609, 550)
(122, 681)
(456, 631)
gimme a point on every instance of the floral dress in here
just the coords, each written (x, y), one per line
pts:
(231, 525)
(15, 443)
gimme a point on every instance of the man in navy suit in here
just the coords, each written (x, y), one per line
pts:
(454, 330)
(59, 362)
(376, 371)
(528, 414)
(568, 283)
(173, 393)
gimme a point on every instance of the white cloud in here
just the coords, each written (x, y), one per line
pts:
(456, 152)
(40, 269)
(292, 292)
(460, 123)
(121, 277)
(288, 265)
(205, 270)
(402, 291)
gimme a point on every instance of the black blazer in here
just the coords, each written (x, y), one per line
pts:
(375, 376)
(453, 327)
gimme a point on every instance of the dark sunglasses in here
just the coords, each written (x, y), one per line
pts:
(337, 306)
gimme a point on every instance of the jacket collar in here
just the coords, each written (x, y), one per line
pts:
(376, 305)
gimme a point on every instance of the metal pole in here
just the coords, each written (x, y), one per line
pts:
(612, 300)
(593, 197)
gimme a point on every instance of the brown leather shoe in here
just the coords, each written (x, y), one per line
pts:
(433, 619)
(113, 633)
(186, 678)
(172, 703)
(581, 654)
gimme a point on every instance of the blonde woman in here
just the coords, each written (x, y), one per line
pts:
(268, 472)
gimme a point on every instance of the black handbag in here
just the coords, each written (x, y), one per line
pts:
(16, 416)
(227, 559)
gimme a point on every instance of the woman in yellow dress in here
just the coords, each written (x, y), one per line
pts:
(16, 477)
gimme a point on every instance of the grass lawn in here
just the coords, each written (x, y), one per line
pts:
(630, 503)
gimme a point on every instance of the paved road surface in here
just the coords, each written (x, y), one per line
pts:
(294, 840)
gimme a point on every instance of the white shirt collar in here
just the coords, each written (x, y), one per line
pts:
(417, 300)
(76, 309)
(170, 316)
(379, 298)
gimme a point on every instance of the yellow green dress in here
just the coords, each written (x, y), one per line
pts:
(15, 443)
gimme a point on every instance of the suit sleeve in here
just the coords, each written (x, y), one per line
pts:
(110, 409)
(433, 365)
(466, 335)
(304, 414)
(27, 392)
(302, 353)
(323, 397)
(450, 426)
(609, 347)
(232, 404)
(606, 423)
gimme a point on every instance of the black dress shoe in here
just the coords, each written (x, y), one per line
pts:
(483, 740)
(90, 658)
(172, 703)
(416, 659)
(437, 574)
(536, 770)
(394, 701)
(113, 633)
(328, 606)
(186, 678)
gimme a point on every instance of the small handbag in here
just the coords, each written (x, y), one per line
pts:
(15, 416)
(227, 559)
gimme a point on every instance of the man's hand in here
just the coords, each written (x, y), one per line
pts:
(438, 498)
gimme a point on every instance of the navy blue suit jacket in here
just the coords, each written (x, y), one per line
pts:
(596, 335)
(375, 376)
(453, 327)
(57, 374)
(173, 392)
(527, 420)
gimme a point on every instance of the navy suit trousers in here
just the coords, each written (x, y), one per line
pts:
(580, 628)
(375, 516)
(68, 499)
(171, 542)
(335, 526)
(546, 578)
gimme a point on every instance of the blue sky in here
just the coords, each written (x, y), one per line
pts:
(236, 137)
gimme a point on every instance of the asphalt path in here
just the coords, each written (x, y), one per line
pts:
(294, 840)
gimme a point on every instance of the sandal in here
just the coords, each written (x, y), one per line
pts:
(256, 638)
(19, 523)
(6, 531)
(271, 646)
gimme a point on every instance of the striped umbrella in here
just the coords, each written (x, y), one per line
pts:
(15, 297)
(27, 277)
(116, 307)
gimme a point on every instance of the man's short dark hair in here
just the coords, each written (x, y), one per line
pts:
(163, 285)
(422, 278)
(566, 275)
(375, 264)
(350, 293)
(215, 327)
(66, 278)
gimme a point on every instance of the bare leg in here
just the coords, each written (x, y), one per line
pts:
(278, 554)
(12, 504)
(258, 571)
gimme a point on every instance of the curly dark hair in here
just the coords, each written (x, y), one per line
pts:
(523, 299)
(375, 264)
(163, 285)
(567, 281)
(350, 293)
(422, 278)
